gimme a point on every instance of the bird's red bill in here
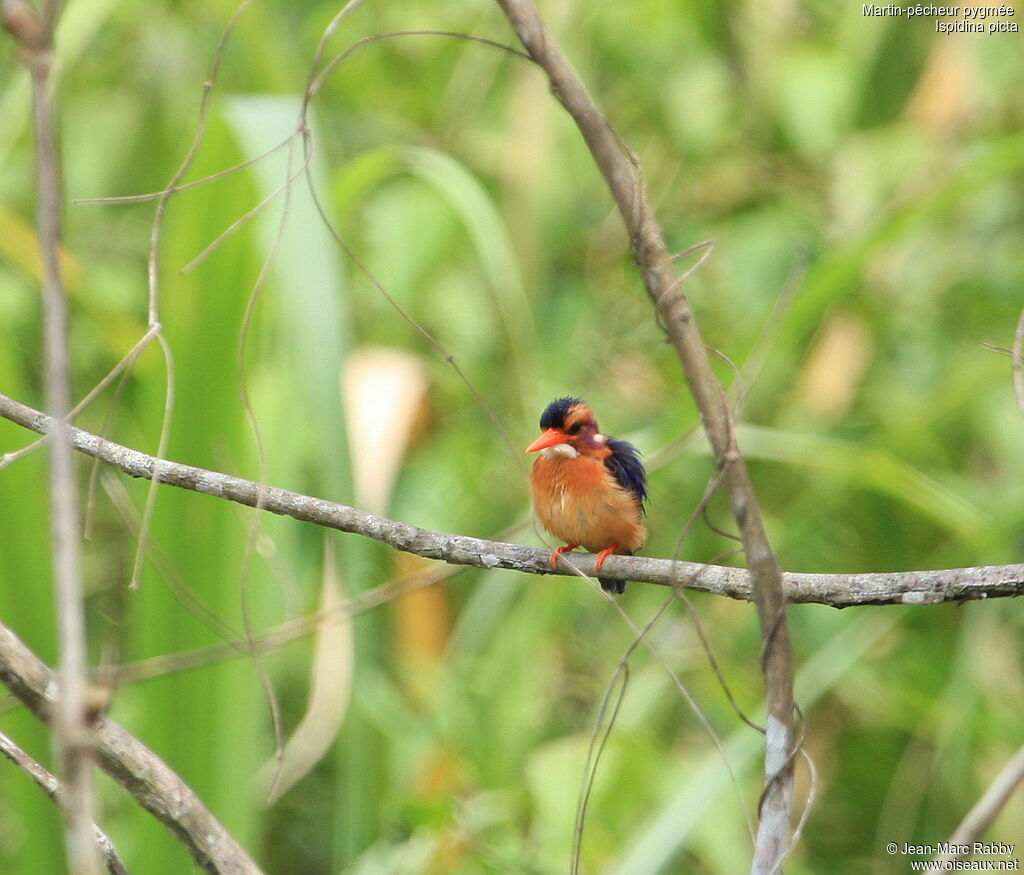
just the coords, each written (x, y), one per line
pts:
(550, 437)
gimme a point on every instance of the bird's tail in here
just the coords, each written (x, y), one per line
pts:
(614, 584)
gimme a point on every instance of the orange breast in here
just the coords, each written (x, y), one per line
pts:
(579, 501)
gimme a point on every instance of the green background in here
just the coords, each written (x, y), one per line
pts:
(862, 180)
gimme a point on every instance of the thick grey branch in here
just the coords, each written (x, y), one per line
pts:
(835, 590)
(129, 762)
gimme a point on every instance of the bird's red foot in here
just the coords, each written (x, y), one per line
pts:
(604, 554)
(556, 553)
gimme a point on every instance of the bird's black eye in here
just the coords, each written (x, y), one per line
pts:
(576, 429)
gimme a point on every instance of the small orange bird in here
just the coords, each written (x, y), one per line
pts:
(588, 488)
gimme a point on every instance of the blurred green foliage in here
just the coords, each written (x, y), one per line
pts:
(862, 178)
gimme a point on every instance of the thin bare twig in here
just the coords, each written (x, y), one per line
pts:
(129, 762)
(620, 170)
(985, 810)
(49, 784)
(181, 188)
(316, 81)
(1018, 366)
(153, 273)
(73, 740)
(274, 638)
(835, 590)
(118, 370)
(255, 522)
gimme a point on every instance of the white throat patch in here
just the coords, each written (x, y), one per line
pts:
(560, 450)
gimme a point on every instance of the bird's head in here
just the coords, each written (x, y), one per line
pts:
(569, 429)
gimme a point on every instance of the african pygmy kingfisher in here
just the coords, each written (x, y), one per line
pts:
(588, 488)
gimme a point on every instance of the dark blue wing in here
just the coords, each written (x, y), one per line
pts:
(625, 464)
